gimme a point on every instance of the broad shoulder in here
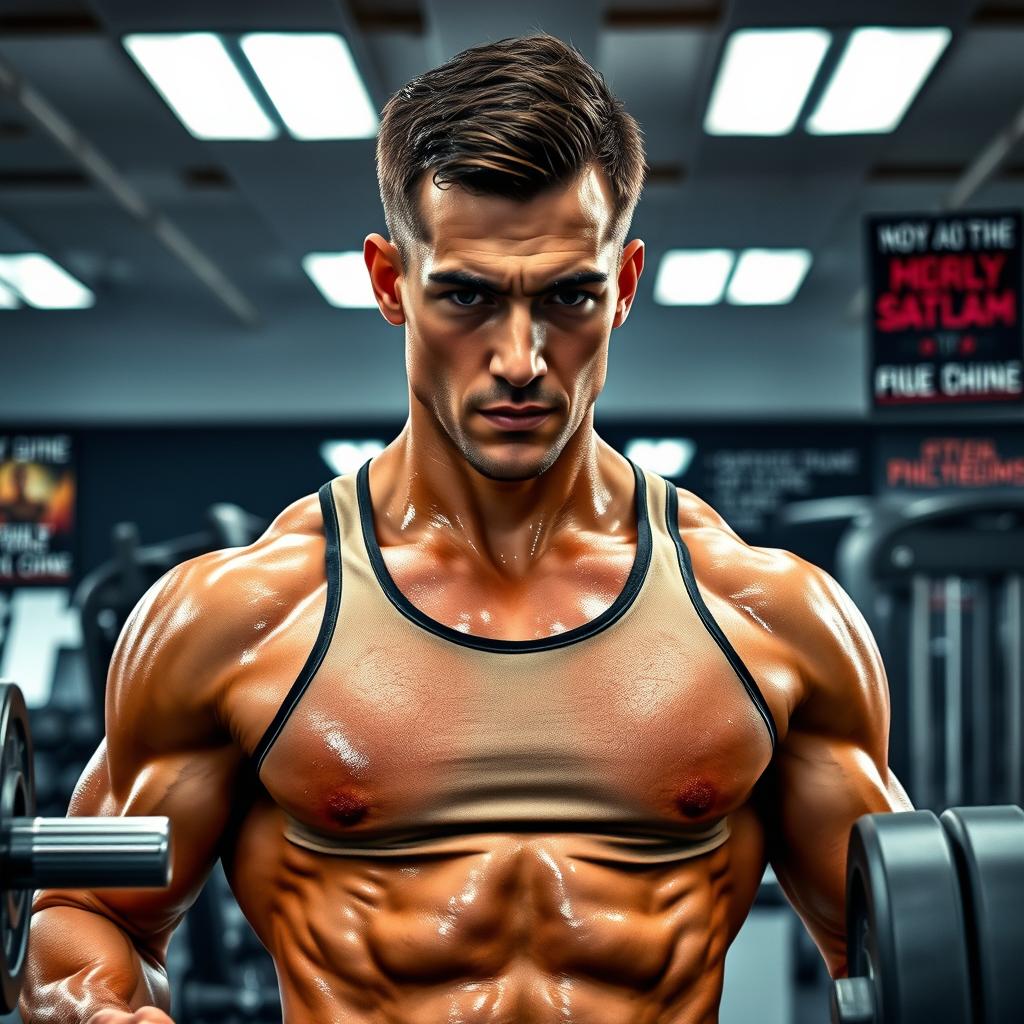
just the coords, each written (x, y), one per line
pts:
(793, 602)
(285, 560)
(726, 563)
(231, 587)
(186, 637)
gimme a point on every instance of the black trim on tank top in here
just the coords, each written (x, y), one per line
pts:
(637, 574)
(686, 568)
(323, 639)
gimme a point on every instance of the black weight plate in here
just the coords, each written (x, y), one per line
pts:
(905, 925)
(17, 799)
(988, 844)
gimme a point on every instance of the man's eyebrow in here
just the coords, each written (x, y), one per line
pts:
(464, 279)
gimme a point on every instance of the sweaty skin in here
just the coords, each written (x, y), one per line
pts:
(507, 535)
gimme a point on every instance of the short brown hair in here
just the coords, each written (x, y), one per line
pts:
(510, 118)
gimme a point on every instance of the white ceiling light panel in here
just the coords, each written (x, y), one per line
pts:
(341, 278)
(692, 277)
(768, 277)
(878, 76)
(764, 79)
(196, 76)
(42, 283)
(667, 456)
(347, 456)
(8, 300)
(313, 82)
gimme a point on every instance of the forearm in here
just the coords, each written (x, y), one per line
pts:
(79, 962)
(829, 935)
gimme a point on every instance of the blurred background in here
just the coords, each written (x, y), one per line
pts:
(826, 343)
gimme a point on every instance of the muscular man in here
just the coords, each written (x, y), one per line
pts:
(500, 728)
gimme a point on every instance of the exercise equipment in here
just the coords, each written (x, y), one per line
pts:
(907, 952)
(988, 847)
(940, 580)
(934, 927)
(79, 853)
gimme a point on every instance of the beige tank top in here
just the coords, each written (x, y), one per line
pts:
(455, 735)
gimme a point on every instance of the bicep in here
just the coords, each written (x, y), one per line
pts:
(819, 787)
(832, 766)
(163, 754)
(193, 790)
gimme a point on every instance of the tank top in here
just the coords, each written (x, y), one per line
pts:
(508, 733)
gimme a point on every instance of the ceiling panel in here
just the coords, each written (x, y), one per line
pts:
(96, 86)
(123, 16)
(976, 92)
(669, 106)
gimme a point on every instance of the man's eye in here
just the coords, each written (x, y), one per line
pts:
(465, 293)
(580, 298)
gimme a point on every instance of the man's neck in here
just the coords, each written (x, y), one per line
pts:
(426, 494)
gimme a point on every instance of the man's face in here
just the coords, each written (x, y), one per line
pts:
(509, 309)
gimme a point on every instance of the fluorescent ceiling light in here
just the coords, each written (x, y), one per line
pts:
(667, 456)
(8, 299)
(43, 283)
(692, 277)
(347, 456)
(768, 277)
(314, 83)
(764, 79)
(878, 76)
(195, 74)
(341, 278)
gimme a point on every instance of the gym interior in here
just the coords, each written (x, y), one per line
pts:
(825, 346)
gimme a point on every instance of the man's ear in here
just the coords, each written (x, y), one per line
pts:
(631, 267)
(384, 266)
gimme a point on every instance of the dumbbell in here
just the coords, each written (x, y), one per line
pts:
(935, 919)
(77, 853)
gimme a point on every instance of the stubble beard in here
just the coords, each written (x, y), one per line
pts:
(512, 469)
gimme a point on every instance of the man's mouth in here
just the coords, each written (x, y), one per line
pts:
(516, 417)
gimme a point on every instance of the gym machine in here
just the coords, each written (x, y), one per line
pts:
(940, 580)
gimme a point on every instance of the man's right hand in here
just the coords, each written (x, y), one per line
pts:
(143, 1015)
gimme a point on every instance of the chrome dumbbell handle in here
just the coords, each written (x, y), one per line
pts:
(853, 1001)
(85, 853)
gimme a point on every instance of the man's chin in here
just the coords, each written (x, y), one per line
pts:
(512, 465)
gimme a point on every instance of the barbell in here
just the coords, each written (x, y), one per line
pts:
(72, 853)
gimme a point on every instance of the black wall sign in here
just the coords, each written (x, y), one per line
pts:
(944, 461)
(945, 316)
(749, 473)
(37, 509)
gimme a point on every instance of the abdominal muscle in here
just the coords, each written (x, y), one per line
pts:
(511, 928)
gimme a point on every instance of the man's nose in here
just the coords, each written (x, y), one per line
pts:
(517, 355)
